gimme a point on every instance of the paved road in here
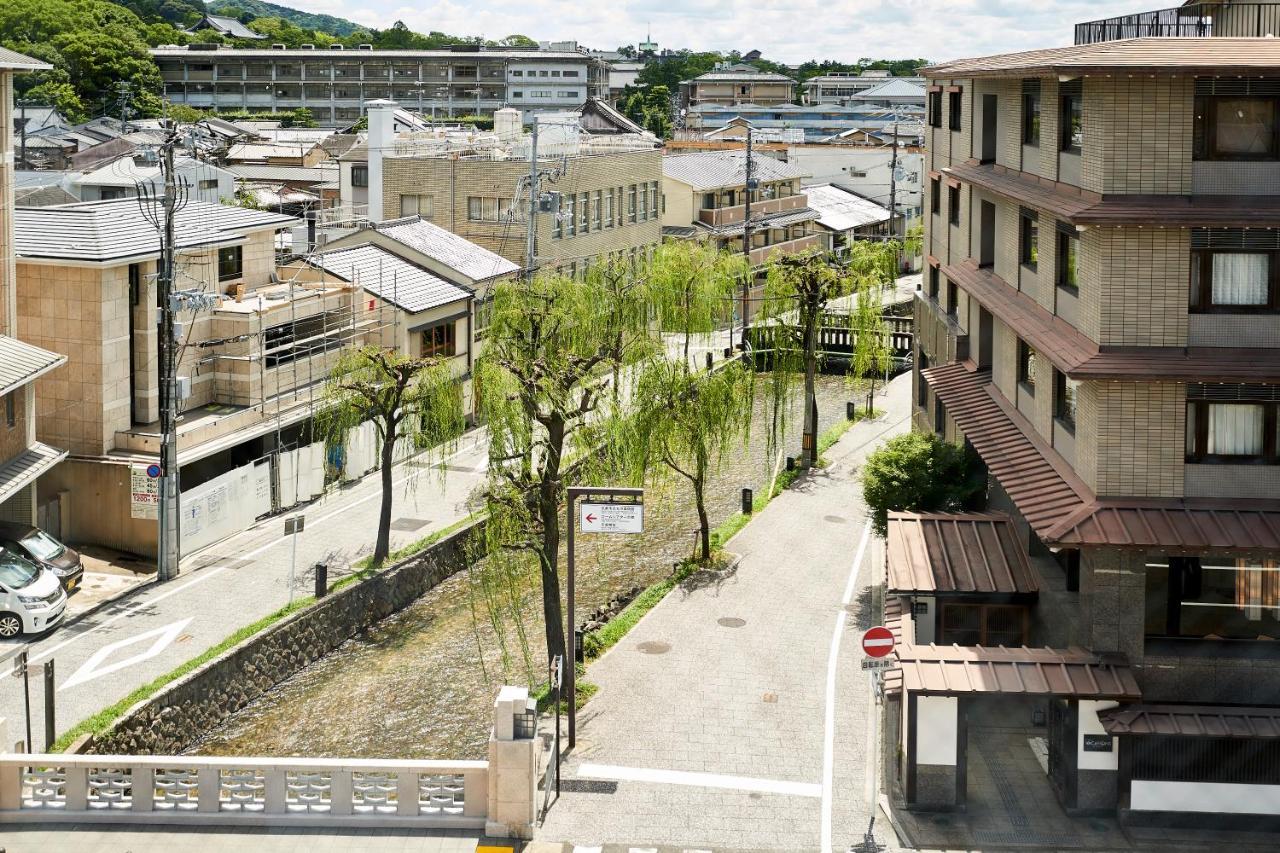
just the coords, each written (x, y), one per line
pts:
(736, 714)
(104, 657)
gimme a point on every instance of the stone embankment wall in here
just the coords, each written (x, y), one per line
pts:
(175, 718)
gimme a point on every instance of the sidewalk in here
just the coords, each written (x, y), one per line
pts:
(152, 629)
(735, 714)
(76, 838)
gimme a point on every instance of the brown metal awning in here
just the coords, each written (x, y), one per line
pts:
(1192, 721)
(1074, 673)
(1041, 484)
(956, 553)
(1189, 525)
(1079, 357)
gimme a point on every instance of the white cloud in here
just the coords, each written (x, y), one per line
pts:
(784, 30)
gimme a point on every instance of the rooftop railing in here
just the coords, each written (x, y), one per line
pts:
(1197, 20)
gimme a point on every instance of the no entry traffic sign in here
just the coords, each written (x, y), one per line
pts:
(877, 642)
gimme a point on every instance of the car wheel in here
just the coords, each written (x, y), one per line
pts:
(10, 625)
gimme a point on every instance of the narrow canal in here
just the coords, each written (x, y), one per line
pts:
(420, 684)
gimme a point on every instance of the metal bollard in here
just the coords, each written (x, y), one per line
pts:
(791, 463)
(728, 352)
(322, 580)
(850, 410)
(50, 730)
(710, 360)
(747, 501)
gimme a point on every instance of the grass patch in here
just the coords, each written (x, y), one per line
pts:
(364, 566)
(833, 434)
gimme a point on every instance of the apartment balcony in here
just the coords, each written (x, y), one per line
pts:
(718, 216)
(1196, 20)
(787, 247)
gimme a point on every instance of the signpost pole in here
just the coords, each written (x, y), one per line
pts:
(571, 655)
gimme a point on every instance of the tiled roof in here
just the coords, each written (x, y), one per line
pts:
(889, 90)
(104, 231)
(1187, 525)
(23, 469)
(230, 26)
(1218, 55)
(475, 262)
(941, 553)
(839, 209)
(1075, 673)
(124, 172)
(259, 172)
(21, 363)
(774, 220)
(1081, 207)
(20, 61)
(745, 75)
(707, 170)
(1040, 483)
(1192, 721)
(390, 277)
(496, 54)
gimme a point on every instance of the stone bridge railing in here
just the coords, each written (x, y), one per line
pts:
(496, 796)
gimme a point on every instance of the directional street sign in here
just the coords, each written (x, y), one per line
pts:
(611, 517)
(877, 642)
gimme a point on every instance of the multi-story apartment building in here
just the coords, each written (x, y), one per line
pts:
(335, 84)
(1100, 322)
(839, 87)
(22, 458)
(740, 83)
(605, 188)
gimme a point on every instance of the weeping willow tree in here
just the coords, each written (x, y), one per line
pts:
(690, 285)
(417, 400)
(552, 348)
(800, 291)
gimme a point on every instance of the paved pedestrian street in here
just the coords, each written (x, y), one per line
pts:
(736, 714)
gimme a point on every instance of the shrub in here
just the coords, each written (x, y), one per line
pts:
(919, 471)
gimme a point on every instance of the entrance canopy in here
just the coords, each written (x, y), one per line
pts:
(956, 553)
(1192, 721)
(1070, 673)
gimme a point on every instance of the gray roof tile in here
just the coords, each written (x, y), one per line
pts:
(707, 170)
(21, 363)
(475, 262)
(390, 277)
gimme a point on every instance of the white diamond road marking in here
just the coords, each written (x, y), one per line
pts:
(93, 668)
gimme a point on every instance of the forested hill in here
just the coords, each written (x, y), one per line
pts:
(306, 20)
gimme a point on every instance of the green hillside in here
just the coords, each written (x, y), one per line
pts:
(306, 20)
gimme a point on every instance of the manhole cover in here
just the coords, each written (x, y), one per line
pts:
(408, 524)
(771, 698)
(654, 647)
(730, 622)
(835, 519)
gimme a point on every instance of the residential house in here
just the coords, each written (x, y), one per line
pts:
(1099, 323)
(841, 87)
(123, 178)
(737, 83)
(251, 367)
(23, 458)
(847, 216)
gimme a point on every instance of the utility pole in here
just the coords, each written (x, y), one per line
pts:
(893, 198)
(531, 238)
(746, 241)
(168, 551)
(22, 104)
(123, 92)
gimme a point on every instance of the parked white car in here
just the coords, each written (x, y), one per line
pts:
(31, 598)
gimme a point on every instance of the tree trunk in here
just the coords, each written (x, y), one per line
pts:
(809, 449)
(699, 486)
(548, 557)
(383, 546)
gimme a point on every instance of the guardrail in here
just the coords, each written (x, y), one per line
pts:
(1194, 20)
(195, 789)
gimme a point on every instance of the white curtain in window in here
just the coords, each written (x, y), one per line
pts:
(1235, 430)
(1240, 278)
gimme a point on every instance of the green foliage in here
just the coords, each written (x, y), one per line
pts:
(301, 117)
(252, 9)
(184, 114)
(922, 472)
(691, 287)
(62, 96)
(649, 107)
(517, 41)
(181, 12)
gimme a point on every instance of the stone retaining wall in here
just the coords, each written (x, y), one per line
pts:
(172, 720)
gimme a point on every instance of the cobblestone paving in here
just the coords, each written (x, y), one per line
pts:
(742, 700)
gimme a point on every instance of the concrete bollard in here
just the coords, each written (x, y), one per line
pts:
(322, 580)
(513, 767)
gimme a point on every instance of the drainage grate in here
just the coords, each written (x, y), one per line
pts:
(730, 622)
(588, 786)
(654, 647)
(408, 525)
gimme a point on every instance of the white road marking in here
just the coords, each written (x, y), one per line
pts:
(697, 780)
(161, 638)
(833, 660)
(205, 574)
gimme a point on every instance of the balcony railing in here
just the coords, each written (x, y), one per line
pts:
(790, 247)
(716, 216)
(1197, 20)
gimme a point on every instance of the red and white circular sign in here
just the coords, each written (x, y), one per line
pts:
(877, 642)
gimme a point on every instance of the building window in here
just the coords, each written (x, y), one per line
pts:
(653, 199)
(417, 205)
(1029, 239)
(953, 110)
(570, 224)
(935, 109)
(953, 299)
(934, 275)
(360, 175)
(953, 205)
(1236, 128)
(208, 184)
(1068, 272)
(517, 94)
(571, 73)
(1236, 432)
(230, 263)
(1031, 112)
(935, 195)
(1217, 597)
(643, 199)
(487, 209)
(1072, 127)
(111, 193)
(1028, 360)
(1234, 282)
(10, 410)
(517, 73)
(584, 213)
(922, 384)
(1064, 400)
(439, 341)
(608, 208)
(631, 203)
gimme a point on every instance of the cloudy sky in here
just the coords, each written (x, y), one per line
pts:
(784, 30)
